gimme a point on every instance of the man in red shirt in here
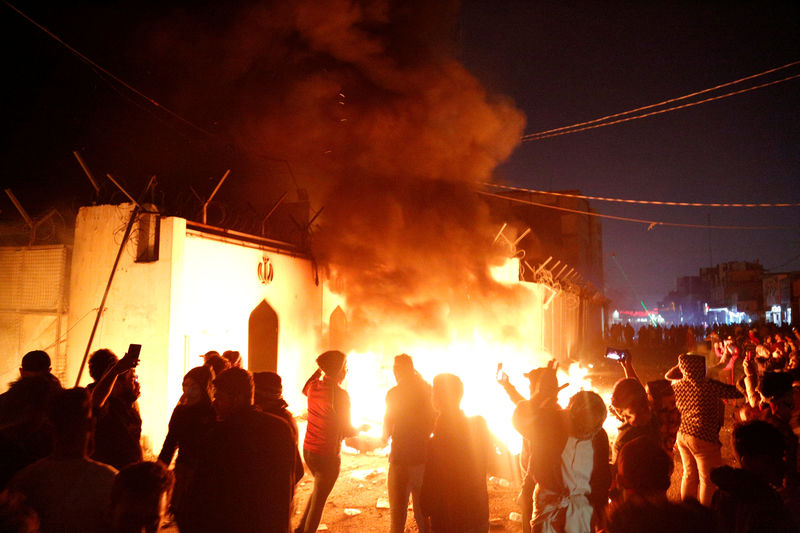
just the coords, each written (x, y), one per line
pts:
(328, 423)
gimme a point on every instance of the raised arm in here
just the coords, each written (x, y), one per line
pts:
(315, 376)
(513, 393)
(103, 388)
(627, 366)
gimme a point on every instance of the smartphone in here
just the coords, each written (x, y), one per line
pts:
(615, 354)
(134, 350)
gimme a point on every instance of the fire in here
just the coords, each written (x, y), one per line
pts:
(370, 377)
(472, 353)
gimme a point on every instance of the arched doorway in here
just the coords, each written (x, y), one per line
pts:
(262, 339)
(337, 330)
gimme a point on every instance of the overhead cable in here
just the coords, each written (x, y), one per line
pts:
(651, 223)
(575, 129)
(644, 202)
(665, 102)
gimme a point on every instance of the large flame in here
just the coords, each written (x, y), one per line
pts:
(473, 353)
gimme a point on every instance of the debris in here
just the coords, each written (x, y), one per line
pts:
(515, 516)
(363, 475)
(495, 523)
(322, 527)
(365, 443)
(383, 503)
(352, 512)
(500, 481)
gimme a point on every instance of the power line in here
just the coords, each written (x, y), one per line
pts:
(651, 223)
(97, 67)
(665, 102)
(534, 137)
(644, 202)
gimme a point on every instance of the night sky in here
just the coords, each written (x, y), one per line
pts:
(567, 62)
(559, 62)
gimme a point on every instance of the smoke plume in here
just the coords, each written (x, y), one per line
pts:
(387, 130)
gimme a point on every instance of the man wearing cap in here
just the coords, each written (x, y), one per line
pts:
(408, 421)
(328, 423)
(24, 437)
(269, 398)
(246, 475)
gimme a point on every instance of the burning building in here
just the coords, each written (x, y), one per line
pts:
(183, 288)
(373, 113)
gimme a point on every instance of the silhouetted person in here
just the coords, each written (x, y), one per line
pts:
(779, 410)
(454, 494)
(246, 475)
(269, 398)
(408, 422)
(543, 388)
(665, 411)
(631, 406)
(24, 434)
(644, 470)
(746, 501)
(70, 492)
(328, 423)
(233, 357)
(215, 362)
(662, 517)
(189, 425)
(114, 394)
(569, 451)
(139, 498)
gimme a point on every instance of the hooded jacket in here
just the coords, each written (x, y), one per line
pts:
(699, 399)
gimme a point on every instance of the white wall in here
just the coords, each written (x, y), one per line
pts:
(221, 288)
(198, 296)
(137, 309)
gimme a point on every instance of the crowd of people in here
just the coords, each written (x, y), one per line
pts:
(71, 460)
(650, 335)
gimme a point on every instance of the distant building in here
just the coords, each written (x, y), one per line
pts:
(782, 297)
(736, 291)
(686, 304)
(735, 286)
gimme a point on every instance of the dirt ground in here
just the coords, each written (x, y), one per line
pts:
(362, 487)
(359, 499)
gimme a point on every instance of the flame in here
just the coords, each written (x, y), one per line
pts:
(473, 354)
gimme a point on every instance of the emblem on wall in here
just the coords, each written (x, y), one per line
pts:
(265, 270)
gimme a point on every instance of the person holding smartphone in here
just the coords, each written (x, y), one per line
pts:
(114, 394)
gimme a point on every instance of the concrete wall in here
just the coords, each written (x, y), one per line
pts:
(137, 310)
(197, 296)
